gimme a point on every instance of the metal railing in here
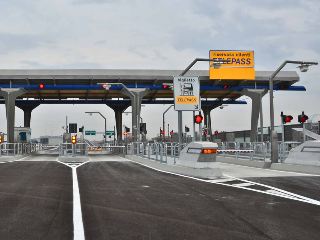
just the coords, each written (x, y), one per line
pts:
(73, 149)
(14, 149)
(255, 151)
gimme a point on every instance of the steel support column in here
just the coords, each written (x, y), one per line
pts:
(256, 96)
(10, 95)
(27, 109)
(136, 95)
(118, 110)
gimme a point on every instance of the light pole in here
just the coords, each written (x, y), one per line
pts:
(163, 122)
(273, 134)
(105, 125)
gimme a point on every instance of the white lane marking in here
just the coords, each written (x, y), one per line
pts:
(264, 169)
(21, 159)
(287, 195)
(243, 184)
(78, 231)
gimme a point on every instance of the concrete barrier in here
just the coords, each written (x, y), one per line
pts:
(244, 162)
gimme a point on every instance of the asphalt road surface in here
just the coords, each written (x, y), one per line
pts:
(121, 199)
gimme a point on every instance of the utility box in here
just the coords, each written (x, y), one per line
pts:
(22, 134)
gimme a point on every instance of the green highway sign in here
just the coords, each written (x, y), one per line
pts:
(90, 132)
(108, 133)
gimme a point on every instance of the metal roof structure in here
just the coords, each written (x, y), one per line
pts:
(82, 83)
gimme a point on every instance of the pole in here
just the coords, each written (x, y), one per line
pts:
(168, 131)
(261, 118)
(207, 127)
(283, 148)
(179, 130)
(194, 128)
(114, 135)
(200, 129)
(304, 132)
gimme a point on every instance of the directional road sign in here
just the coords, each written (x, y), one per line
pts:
(186, 94)
(109, 133)
(90, 132)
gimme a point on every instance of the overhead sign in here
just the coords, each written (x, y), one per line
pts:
(239, 67)
(186, 92)
(90, 132)
(109, 133)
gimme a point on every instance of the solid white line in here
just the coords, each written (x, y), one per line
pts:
(291, 195)
(78, 231)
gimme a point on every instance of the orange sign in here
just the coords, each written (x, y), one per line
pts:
(239, 67)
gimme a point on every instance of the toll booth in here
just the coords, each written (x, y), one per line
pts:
(22, 134)
(51, 140)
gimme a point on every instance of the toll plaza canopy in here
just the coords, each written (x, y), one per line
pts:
(83, 83)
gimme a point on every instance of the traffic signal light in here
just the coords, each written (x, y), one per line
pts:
(198, 119)
(205, 132)
(226, 86)
(216, 133)
(125, 133)
(41, 85)
(0, 139)
(161, 132)
(166, 86)
(171, 132)
(302, 118)
(286, 118)
(74, 139)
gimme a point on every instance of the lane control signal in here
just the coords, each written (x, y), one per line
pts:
(74, 139)
(198, 119)
(206, 151)
(286, 118)
(302, 118)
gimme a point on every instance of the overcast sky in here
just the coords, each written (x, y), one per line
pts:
(167, 34)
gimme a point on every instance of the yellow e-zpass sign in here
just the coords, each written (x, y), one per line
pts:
(240, 65)
(191, 100)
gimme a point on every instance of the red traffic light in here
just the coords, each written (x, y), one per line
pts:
(171, 132)
(289, 118)
(198, 119)
(216, 132)
(162, 132)
(302, 118)
(125, 133)
(165, 86)
(41, 85)
(205, 132)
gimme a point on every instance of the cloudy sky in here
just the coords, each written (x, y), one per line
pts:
(168, 34)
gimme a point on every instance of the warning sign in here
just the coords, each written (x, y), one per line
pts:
(186, 94)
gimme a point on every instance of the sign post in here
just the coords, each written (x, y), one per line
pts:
(186, 91)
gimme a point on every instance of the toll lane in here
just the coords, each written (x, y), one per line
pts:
(124, 200)
(35, 201)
